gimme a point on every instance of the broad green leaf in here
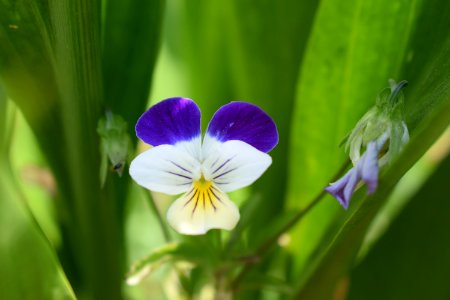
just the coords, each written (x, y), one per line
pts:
(266, 42)
(433, 91)
(94, 219)
(192, 36)
(51, 65)
(3, 122)
(412, 260)
(130, 43)
(29, 268)
(247, 61)
(130, 47)
(26, 69)
(354, 48)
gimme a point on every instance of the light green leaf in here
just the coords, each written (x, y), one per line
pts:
(3, 124)
(51, 65)
(266, 42)
(433, 91)
(354, 48)
(29, 268)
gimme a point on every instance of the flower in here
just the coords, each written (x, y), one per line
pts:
(232, 155)
(382, 132)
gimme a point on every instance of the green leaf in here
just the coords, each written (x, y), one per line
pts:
(354, 48)
(3, 124)
(266, 43)
(202, 52)
(153, 260)
(130, 47)
(412, 259)
(196, 250)
(29, 268)
(130, 44)
(26, 61)
(53, 49)
(433, 91)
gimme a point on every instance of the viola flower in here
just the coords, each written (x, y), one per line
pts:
(382, 133)
(232, 155)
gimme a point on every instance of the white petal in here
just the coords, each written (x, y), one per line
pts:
(355, 149)
(193, 147)
(405, 136)
(200, 210)
(166, 168)
(233, 164)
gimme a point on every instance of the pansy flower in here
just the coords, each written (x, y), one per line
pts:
(380, 135)
(231, 155)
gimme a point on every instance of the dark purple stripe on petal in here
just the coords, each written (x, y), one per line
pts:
(169, 121)
(245, 122)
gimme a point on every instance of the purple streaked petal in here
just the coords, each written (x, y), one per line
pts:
(234, 164)
(169, 121)
(343, 189)
(166, 169)
(245, 122)
(369, 167)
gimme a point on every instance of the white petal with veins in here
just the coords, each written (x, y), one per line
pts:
(201, 209)
(168, 169)
(233, 164)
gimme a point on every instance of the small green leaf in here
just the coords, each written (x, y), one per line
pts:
(193, 251)
(153, 260)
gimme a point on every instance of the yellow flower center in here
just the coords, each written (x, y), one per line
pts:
(203, 195)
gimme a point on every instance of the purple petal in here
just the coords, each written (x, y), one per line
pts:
(343, 189)
(369, 167)
(245, 122)
(170, 121)
(353, 181)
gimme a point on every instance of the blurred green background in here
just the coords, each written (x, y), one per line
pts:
(315, 66)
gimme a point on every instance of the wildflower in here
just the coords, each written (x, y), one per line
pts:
(232, 155)
(382, 133)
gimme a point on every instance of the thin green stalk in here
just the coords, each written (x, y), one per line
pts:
(162, 223)
(267, 245)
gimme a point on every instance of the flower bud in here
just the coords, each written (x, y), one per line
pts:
(377, 138)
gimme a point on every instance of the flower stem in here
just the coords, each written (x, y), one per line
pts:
(162, 224)
(267, 245)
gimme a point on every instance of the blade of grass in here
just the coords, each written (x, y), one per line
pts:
(335, 259)
(354, 48)
(77, 47)
(24, 274)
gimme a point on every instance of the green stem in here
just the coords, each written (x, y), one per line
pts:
(162, 223)
(267, 245)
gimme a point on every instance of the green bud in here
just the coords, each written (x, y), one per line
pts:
(114, 144)
(383, 123)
